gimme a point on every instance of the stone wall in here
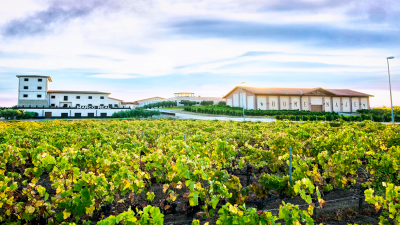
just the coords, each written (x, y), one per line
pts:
(33, 103)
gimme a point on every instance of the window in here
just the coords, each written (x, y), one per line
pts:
(26, 79)
(25, 95)
(90, 97)
(53, 96)
(25, 87)
(110, 105)
(90, 105)
(78, 97)
(116, 105)
(77, 105)
(65, 98)
(52, 105)
(65, 105)
(39, 80)
(39, 88)
(39, 96)
(101, 104)
(101, 97)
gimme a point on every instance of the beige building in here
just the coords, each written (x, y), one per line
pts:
(311, 99)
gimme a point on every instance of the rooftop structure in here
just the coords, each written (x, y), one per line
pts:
(184, 94)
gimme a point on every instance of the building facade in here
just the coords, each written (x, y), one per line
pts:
(310, 99)
(179, 97)
(34, 96)
(189, 96)
(147, 101)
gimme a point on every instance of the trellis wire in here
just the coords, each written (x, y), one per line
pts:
(277, 209)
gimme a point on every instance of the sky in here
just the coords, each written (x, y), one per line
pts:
(146, 48)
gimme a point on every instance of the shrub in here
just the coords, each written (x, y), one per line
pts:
(136, 113)
(188, 103)
(160, 104)
(15, 113)
(207, 103)
(222, 103)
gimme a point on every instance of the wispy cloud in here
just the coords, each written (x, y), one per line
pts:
(44, 21)
(113, 76)
(310, 34)
(257, 53)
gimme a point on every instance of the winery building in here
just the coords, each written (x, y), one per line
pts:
(311, 99)
(34, 96)
(179, 97)
(147, 101)
(189, 96)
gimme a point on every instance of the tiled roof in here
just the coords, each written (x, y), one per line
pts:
(78, 92)
(347, 92)
(130, 103)
(115, 99)
(299, 91)
(47, 77)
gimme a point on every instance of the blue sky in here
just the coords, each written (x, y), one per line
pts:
(145, 48)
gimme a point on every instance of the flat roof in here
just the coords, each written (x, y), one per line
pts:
(47, 77)
(300, 91)
(184, 93)
(78, 92)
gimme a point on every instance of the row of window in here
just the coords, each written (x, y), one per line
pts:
(65, 97)
(39, 87)
(38, 96)
(90, 105)
(77, 97)
(39, 80)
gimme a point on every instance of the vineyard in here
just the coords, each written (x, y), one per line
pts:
(376, 115)
(198, 172)
(237, 111)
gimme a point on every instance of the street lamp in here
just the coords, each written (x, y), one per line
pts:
(390, 86)
(241, 91)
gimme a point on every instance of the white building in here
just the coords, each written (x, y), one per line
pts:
(189, 96)
(311, 99)
(179, 97)
(34, 96)
(147, 101)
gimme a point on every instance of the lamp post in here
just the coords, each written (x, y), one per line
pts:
(390, 86)
(241, 91)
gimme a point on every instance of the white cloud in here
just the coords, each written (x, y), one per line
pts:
(140, 39)
(113, 76)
